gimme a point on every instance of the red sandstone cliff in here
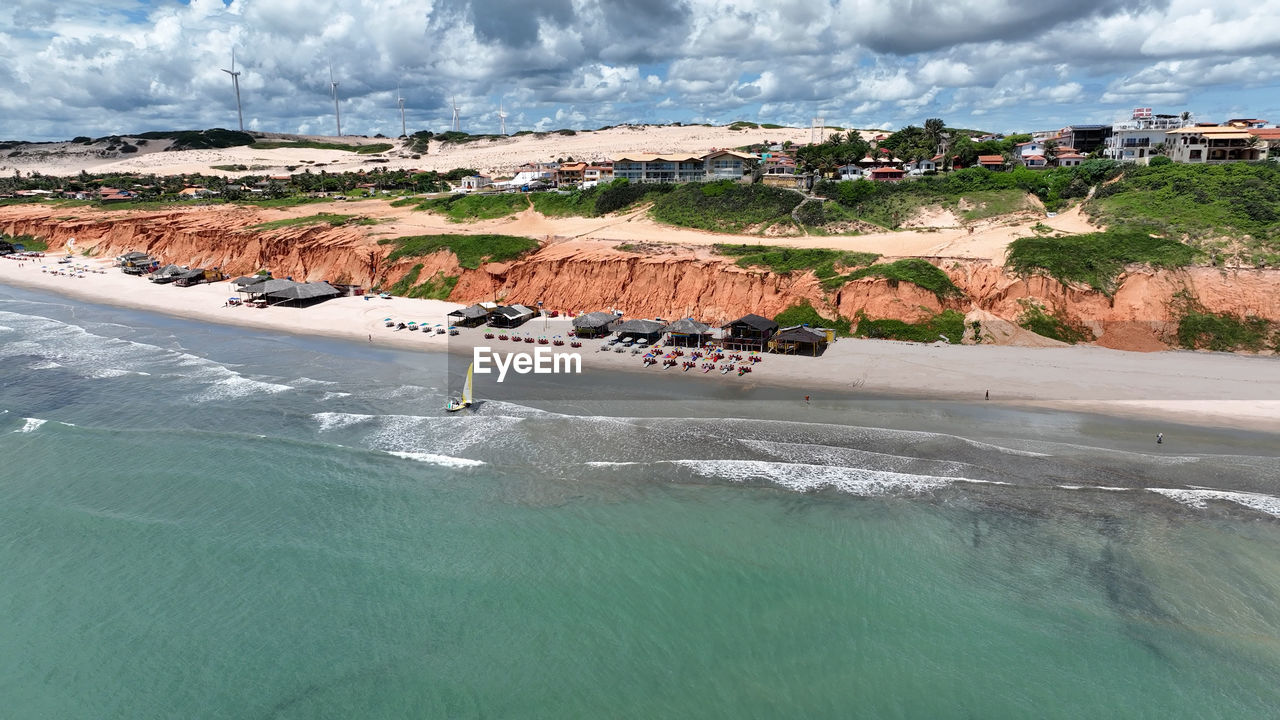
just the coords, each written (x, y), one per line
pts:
(589, 275)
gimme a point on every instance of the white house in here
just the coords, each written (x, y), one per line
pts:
(726, 164)
(851, 171)
(1133, 140)
(644, 167)
(1212, 145)
(475, 182)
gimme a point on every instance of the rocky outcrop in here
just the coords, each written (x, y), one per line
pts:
(591, 275)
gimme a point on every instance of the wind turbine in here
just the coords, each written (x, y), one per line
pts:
(235, 81)
(404, 132)
(457, 123)
(333, 90)
(502, 117)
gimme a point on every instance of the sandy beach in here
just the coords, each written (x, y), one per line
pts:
(1193, 387)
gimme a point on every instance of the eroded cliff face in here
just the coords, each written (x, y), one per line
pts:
(592, 275)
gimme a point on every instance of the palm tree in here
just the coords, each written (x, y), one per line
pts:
(933, 129)
(1050, 152)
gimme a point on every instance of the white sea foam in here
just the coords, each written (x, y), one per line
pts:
(6, 328)
(31, 425)
(310, 382)
(44, 365)
(606, 463)
(434, 459)
(238, 386)
(834, 455)
(806, 478)
(1094, 487)
(332, 395)
(334, 420)
(1197, 499)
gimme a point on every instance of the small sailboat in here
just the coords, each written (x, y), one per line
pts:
(456, 404)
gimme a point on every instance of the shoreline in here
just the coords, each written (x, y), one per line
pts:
(1197, 388)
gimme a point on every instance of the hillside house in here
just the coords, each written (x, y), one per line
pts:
(1070, 159)
(673, 168)
(850, 172)
(602, 172)
(1214, 144)
(727, 164)
(991, 162)
(1085, 138)
(471, 183)
(570, 173)
(1270, 137)
(1035, 162)
(1134, 140)
(887, 174)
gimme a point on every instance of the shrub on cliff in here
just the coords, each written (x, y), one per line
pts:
(821, 261)
(1095, 259)
(620, 194)
(1202, 329)
(912, 270)
(725, 205)
(948, 325)
(1051, 325)
(470, 249)
(464, 208)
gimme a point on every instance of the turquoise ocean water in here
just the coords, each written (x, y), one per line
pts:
(201, 521)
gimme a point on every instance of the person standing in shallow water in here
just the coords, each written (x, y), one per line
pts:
(1159, 438)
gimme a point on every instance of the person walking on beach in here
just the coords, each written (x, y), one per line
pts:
(988, 394)
(1159, 438)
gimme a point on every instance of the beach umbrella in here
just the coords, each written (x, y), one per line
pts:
(386, 319)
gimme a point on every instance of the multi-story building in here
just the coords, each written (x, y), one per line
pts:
(727, 164)
(1213, 144)
(1084, 138)
(638, 167)
(1134, 140)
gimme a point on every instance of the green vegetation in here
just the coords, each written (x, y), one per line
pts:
(912, 270)
(28, 242)
(1202, 329)
(333, 219)
(317, 145)
(724, 206)
(578, 203)
(437, 287)
(1231, 211)
(197, 139)
(286, 201)
(948, 324)
(230, 168)
(743, 125)
(465, 208)
(989, 193)
(782, 260)
(1055, 325)
(471, 250)
(805, 314)
(1095, 259)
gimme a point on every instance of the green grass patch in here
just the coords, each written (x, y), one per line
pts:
(1231, 211)
(990, 203)
(200, 139)
(1203, 329)
(333, 219)
(805, 314)
(230, 168)
(466, 208)
(285, 201)
(948, 324)
(821, 261)
(1055, 325)
(1095, 259)
(437, 287)
(28, 242)
(911, 270)
(724, 206)
(471, 250)
(578, 203)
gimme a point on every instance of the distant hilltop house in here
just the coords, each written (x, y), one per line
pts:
(991, 162)
(681, 167)
(1135, 140)
(1214, 144)
(472, 183)
(109, 194)
(195, 192)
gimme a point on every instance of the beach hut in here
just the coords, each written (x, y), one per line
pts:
(801, 340)
(510, 316)
(190, 277)
(468, 316)
(688, 332)
(595, 324)
(250, 280)
(749, 332)
(302, 294)
(650, 330)
(167, 274)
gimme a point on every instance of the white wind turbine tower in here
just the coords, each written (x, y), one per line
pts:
(235, 81)
(333, 90)
(502, 117)
(404, 132)
(457, 123)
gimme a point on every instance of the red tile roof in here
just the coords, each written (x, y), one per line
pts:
(990, 159)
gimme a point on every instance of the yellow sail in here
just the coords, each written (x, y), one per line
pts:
(466, 389)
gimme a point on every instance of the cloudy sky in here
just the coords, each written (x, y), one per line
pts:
(117, 66)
